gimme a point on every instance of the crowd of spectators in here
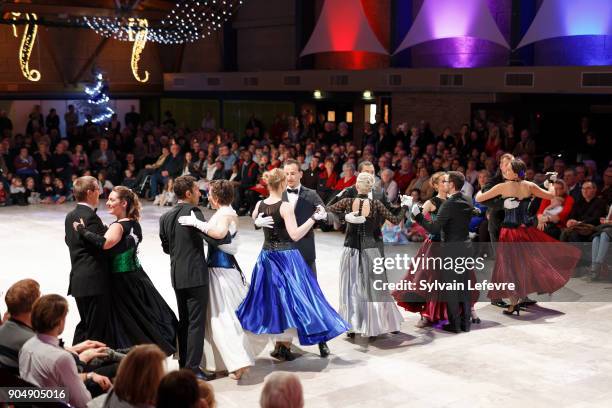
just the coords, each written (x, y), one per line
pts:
(38, 165)
(32, 353)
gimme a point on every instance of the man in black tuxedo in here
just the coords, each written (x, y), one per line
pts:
(452, 223)
(305, 202)
(89, 276)
(189, 272)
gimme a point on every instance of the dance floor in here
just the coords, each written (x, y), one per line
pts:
(557, 354)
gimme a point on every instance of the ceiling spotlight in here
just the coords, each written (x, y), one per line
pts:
(317, 94)
(368, 95)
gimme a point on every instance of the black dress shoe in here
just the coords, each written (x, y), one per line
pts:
(282, 353)
(529, 302)
(324, 350)
(450, 328)
(395, 332)
(202, 375)
(350, 335)
(465, 327)
(499, 303)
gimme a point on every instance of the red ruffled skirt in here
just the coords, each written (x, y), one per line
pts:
(532, 260)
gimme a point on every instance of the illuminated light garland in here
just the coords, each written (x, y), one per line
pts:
(27, 44)
(98, 97)
(139, 43)
(188, 21)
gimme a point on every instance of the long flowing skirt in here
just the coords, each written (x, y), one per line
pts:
(283, 295)
(369, 314)
(533, 261)
(140, 315)
(227, 347)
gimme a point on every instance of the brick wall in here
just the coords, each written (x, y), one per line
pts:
(439, 109)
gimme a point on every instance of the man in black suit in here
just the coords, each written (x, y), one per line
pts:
(245, 199)
(305, 202)
(189, 272)
(452, 223)
(89, 276)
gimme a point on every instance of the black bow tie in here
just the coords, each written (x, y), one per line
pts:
(292, 191)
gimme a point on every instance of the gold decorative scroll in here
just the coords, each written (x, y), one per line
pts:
(140, 40)
(28, 40)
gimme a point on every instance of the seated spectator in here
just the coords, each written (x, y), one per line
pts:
(24, 164)
(327, 180)
(404, 175)
(104, 184)
(4, 196)
(104, 158)
(44, 362)
(348, 178)
(168, 196)
(80, 160)
(178, 389)
(207, 394)
(585, 215)
(18, 329)
(47, 189)
(137, 380)
(310, 177)
(422, 184)
(32, 195)
(18, 192)
(389, 185)
(171, 167)
(61, 192)
(43, 159)
(62, 163)
(244, 198)
(606, 191)
(599, 249)
(129, 180)
(552, 217)
(282, 390)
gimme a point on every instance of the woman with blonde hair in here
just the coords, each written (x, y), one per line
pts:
(370, 311)
(284, 295)
(139, 313)
(137, 380)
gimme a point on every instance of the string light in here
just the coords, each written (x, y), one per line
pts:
(139, 43)
(27, 44)
(188, 21)
(99, 97)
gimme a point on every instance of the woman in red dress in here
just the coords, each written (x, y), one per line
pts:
(527, 257)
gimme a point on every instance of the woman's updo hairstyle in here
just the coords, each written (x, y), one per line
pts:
(274, 178)
(222, 191)
(435, 179)
(519, 168)
(365, 182)
(133, 207)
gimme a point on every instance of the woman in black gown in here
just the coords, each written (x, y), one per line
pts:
(139, 313)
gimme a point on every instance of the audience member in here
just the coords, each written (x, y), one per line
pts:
(282, 390)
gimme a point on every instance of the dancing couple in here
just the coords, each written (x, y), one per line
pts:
(117, 302)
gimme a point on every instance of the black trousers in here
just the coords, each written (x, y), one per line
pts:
(95, 320)
(192, 303)
(459, 303)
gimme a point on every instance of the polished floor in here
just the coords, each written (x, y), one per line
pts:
(559, 354)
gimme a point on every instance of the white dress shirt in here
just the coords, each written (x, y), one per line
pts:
(293, 197)
(44, 363)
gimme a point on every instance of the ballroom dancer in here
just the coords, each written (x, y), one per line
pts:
(189, 272)
(284, 293)
(525, 257)
(89, 276)
(370, 312)
(495, 211)
(139, 313)
(452, 223)
(226, 346)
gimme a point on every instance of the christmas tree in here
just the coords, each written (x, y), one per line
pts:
(97, 100)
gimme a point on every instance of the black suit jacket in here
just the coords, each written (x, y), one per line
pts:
(453, 219)
(305, 206)
(89, 275)
(184, 245)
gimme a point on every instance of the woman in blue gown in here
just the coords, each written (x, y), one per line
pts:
(284, 297)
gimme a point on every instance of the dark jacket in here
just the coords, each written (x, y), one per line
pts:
(89, 275)
(173, 165)
(305, 206)
(184, 245)
(248, 174)
(453, 219)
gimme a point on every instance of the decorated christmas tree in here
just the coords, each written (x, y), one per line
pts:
(97, 104)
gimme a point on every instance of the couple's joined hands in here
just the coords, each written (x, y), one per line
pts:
(263, 221)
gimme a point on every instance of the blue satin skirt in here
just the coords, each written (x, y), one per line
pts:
(284, 294)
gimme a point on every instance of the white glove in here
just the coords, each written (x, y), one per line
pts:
(192, 221)
(510, 203)
(264, 222)
(406, 201)
(547, 185)
(320, 213)
(416, 210)
(231, 248)
(353, 218)
(341, 193)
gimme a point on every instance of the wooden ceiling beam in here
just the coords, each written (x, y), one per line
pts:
(90, 60)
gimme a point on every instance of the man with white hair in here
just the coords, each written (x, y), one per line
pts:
(282, 390)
